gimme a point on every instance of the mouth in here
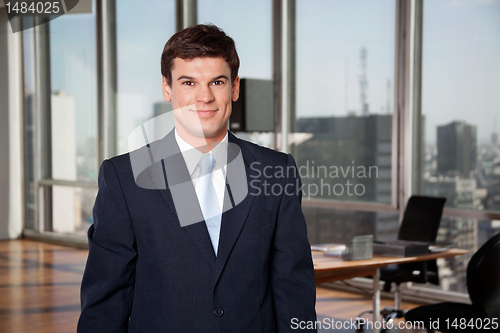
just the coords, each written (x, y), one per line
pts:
(205, 113)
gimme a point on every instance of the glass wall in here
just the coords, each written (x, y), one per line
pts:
(343, 126)
(73, 122)
(74, 97)
(465, 233)
(461, 75)
(342, 131)
(326, 225)
(141, 34)
(250, 25)
(460, 78)
(344, 93)
(71, 209)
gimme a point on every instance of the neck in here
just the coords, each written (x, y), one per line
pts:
(203, 144)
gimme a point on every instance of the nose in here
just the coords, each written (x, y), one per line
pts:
(204, 95)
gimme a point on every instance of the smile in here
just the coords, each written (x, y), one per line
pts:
(205, 113)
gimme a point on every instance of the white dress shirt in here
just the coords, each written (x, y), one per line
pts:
(192, 156)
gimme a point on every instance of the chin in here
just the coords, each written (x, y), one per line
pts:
(211, 132)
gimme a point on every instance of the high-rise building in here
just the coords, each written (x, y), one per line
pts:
(457, 149)
(462, 231)
(63, 122)
(347, 158)
(349, 148)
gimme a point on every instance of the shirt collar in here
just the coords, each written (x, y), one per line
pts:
(192, 155)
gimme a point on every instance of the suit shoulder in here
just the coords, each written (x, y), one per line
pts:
(120, 161)
(120, 165)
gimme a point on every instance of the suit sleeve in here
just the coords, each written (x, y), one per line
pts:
(293, 285)
(108, 281)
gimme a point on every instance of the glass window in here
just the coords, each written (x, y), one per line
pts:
(464, 233)
(29, 143)
(461, 155)
(326, 225)
(344, 93)
(141, 32)
(460, 79)
(74, 97)
(71, 211)
(250, 25)
(73, 123)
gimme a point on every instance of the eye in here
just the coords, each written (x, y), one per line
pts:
(188, 83)
(218, 83)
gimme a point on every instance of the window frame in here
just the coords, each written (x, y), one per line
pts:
(406, 119)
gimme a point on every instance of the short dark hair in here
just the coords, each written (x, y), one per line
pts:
(199, 41)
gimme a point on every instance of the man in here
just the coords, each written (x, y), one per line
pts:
(246, 268)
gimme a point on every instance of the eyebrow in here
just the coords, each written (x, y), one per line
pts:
(220, 77)
(185, 77)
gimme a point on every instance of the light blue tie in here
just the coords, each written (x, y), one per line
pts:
(207, 198)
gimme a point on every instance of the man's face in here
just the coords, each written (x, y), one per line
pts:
(206, 84)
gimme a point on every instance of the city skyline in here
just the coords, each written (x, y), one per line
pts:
(460, 57)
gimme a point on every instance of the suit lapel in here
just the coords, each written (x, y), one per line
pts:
(234, 219)
(166, 152)
(176, 179)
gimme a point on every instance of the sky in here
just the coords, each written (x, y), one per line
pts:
(461, 57)
(461, 65)
(73, 67)
(250, 28)
(461, 60)
(141, 33)
(330, 36)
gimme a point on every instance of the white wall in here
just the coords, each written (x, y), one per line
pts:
(11, 201)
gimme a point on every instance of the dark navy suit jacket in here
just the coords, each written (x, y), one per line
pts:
(146, 273)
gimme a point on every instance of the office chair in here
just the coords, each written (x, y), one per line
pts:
(483, 284)
(420, 223)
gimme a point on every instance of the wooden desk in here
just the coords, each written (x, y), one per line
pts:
(329, 269)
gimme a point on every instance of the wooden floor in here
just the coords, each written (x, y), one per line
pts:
(40, 289)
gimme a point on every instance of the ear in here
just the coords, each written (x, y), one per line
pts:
(235, 89)
(166, 90)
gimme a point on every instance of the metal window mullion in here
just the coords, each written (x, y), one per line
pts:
(402, 111)
(107, 85)
(186, 13)
(285, 79)
(284, 69)
(23, 135)
(70, 183)
(397, 102)
(277, 78)
(471, 213)
(349, 205)
(42, 119)
(43, 97)
(417, 125)
(412, 145)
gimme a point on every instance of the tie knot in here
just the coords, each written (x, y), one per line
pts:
(206, 164)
